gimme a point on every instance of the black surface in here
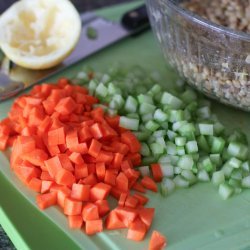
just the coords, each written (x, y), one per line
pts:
(81, 5)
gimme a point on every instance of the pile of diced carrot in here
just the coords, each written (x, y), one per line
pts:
(75, 156)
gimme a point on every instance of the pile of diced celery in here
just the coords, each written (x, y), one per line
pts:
(176, 130)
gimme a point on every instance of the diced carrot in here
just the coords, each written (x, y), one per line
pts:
(157, 241)
(85, 134)
(53, 166)
(137, 230)
(10, 141)
(103, 207)
(94, 148)
(141, 198)
(72, 207)
(97, 114)
(46, 176)
(120, 147)
(100, 191)
(117, 160)
(138, 187)
(76, 158)
(148, 183)
(113, 121)
(90, 212)
(64, 177)
(53, 150)
(46, 185)
(36, 157)
(110, 177)
(71, 138)
(100, 170)
(122, 182)
(105, 157)
(35, 184)
(80, 192)
(65, 106)
(36, 116)
(90, 180)
(126, 214)
(135, 158)
(113, 221)
(96, 131)
(116, 193)
(131, 201)
(65, 162)
(46, 200)
(75, 221)
(91, 168)
(108, 132)
(122, 199)
(3, 142)
(156, 172)
(81, 171)
(80, 148)
(26, 173)
(25, 144)
(93, 227)
(146, 215)
(56, 136)
(126, 164)
(130, 139)
(62, 193)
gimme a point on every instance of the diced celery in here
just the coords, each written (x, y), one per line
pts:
(167, 169)
(171, 148)
(167, 186)
(206, 129)
(191, 147)
(171, 100)
(225, 191)
(203, 175)
(145, 151)
(238, 150)
(145, 99)
(101, 90)
(160, 116)
(202, 143)
(152, 126)
(218, 177)
(185, 162)
(207, 164)
(176, 115)
(145, 108)
(234, 162)
(189, 176)
(180, 150)
(245, 183)
(130, 105)
(129, 123)
(181, 181)
(180, 141)
(156, 148)
(159, 133)
(147, 117)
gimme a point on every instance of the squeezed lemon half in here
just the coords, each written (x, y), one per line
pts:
(39, 34)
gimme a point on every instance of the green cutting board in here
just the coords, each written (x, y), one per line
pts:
(194, 218)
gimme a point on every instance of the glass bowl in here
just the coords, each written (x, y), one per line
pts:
(212, 58)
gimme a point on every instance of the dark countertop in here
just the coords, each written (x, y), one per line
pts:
(5, 243)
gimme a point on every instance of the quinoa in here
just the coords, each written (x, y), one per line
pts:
(234, 14)
(214, 60)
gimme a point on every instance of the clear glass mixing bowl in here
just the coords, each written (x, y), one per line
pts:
(212, 58)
